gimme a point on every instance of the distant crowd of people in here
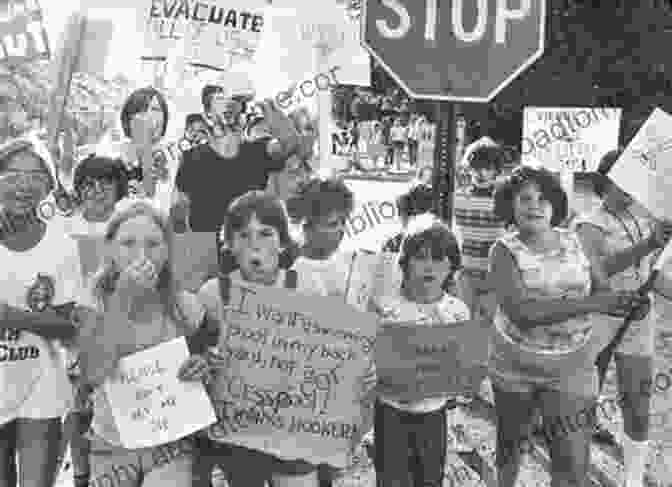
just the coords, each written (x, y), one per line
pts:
(387, 143)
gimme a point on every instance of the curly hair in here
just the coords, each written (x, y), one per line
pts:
(100, 167)
(429, 234)
(547, 183)
(318, 198)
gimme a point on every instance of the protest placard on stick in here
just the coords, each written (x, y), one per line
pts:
(293, 385)
(415, 362)
(645, 168)
(151, 406)
(569, 139)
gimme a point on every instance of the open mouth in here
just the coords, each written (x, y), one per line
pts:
(428, 278)
(255, 263)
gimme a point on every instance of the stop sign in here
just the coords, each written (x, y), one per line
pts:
(454, 50)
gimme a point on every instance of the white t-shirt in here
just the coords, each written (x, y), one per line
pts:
(346, 273)
(399, 309)
(33, 375)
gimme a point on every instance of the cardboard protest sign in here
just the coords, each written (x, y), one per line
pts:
(293, 381)
(645, 168)
(417, 362)
(22, 34)
(194, 258)
(205, 31)
(572, 139)
(150, 405)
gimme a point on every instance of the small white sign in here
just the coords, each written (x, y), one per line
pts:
(569, 139)
(151, 406)
(645, 168)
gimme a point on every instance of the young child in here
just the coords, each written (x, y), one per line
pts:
(410, 437)
(476, 224)
(257, 230)
(323, 206)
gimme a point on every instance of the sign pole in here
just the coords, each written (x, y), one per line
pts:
(444, 164)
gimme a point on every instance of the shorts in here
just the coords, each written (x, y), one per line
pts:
(516, 369)
(410, 447)
(169, 464)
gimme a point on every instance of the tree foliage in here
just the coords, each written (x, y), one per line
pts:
(598, 53)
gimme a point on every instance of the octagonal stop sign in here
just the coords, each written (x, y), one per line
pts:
(454, 50)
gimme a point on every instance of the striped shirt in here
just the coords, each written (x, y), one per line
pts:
(477, 228)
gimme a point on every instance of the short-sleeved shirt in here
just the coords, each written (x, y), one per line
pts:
(212, 182)
(33, 376)
(399, 309)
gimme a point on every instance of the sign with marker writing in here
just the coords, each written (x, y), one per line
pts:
(417, 362)
(207, 29)
(569, 139)
(295, 367)
(645, 168)
(151, 406)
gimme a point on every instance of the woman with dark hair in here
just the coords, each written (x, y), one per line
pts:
(151, 162)
(545, 343)
(40, 282)
(625, 239)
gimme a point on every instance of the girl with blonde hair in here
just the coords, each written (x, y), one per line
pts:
(139, 305)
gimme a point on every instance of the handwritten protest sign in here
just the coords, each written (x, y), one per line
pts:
(206, 30)
(645, 168)
(572, 139)
(292, 385)
(417, 362)
(151, 406)
(22, 33)
(194, 258)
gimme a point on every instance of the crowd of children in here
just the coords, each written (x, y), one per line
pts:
(555, 297)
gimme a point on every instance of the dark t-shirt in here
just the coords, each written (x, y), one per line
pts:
(212, 182)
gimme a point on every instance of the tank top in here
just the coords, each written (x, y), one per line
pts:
(565, 272)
